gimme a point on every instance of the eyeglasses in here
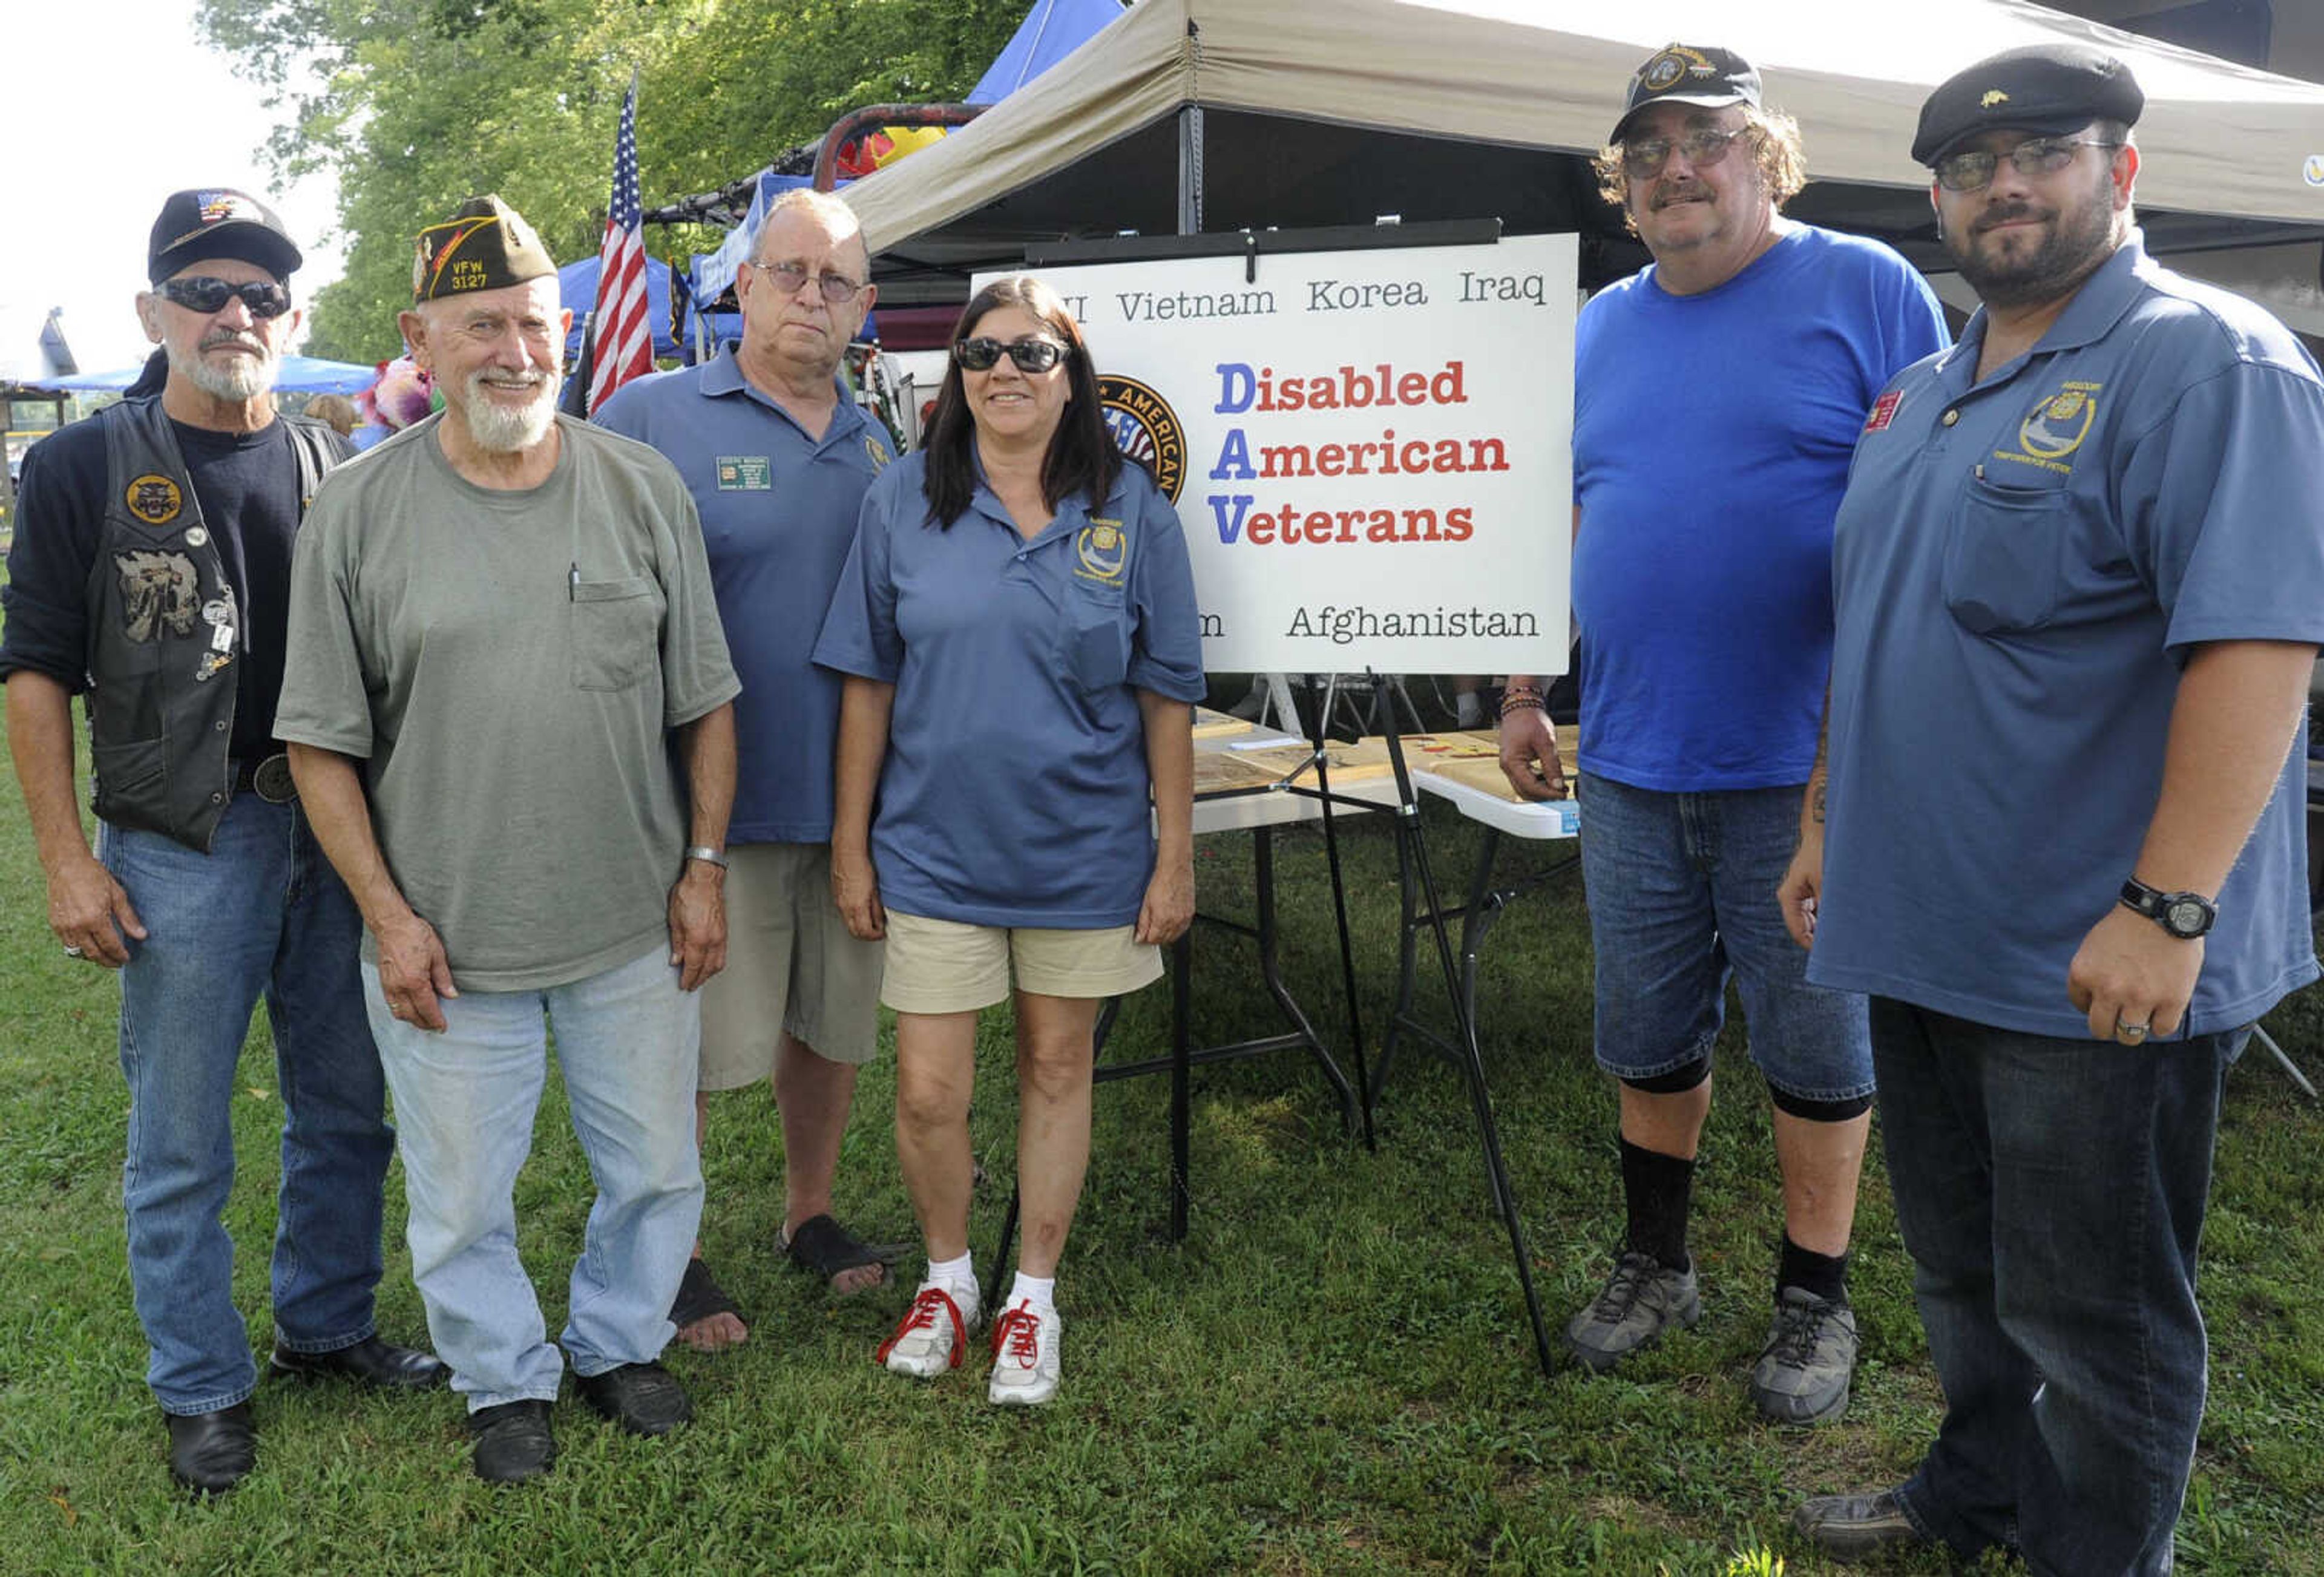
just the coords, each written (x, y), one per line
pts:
(2034, 156)
(1031, 355)
(790, 279)
(202, 293)
(1703, 147)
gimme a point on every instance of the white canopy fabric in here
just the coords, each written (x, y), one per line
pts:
(2219, 139)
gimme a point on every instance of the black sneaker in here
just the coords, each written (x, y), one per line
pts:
(1641, 1300)
(514, 1442)
(644, 1399)
(1803, 1371)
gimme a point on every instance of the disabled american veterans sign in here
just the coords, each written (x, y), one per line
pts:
(1370, 450)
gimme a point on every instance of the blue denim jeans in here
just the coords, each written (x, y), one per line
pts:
(628, 1041)
(2050, 1192)
(1682, 891)
(262, 913)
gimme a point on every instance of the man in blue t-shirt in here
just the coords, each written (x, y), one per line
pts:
(2081, 584)
(779, 457)
(1717, 396)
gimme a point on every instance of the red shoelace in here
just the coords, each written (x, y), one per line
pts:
(1020, 1331)
(922, 1316)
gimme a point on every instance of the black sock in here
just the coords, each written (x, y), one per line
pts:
(1824, 1274)
(1657, 1188)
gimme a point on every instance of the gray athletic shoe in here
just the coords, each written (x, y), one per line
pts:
(1639, 1302)
(1802, 1373)
(1849, 1528)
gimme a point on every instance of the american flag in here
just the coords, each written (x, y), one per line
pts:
(623, 333)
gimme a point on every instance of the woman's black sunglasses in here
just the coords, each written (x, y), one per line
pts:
(1031, 355)
(202, 293)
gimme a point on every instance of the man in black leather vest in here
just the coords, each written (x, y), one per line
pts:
(150, 573)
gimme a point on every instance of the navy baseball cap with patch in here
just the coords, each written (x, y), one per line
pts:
(2047, 89)
(1700, 75)
(208, 222)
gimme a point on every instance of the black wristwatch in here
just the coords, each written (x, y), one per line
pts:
(2185, 915)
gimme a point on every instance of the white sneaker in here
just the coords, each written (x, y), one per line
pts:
(1025, 1344)
(933, 1333)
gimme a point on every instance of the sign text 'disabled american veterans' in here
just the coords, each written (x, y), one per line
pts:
(1368, 450)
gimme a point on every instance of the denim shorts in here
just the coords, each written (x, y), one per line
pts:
(1682, 891)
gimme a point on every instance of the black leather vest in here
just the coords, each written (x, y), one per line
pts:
(165, 631)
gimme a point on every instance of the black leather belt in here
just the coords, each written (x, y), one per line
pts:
(269, 779)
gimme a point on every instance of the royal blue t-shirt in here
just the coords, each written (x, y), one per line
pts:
(1014, 790)
(2024, 565)
(778, 512)
(1712, 434)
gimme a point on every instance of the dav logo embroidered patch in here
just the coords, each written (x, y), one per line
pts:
(1884, 410)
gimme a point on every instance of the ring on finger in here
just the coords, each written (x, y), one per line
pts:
(73, 952)
(2132, 1032)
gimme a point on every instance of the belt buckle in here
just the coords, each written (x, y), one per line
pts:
(271, 779)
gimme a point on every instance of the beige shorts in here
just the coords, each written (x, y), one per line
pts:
(942, 967)
(792, 966)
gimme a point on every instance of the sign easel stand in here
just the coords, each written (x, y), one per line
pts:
(1413, 846)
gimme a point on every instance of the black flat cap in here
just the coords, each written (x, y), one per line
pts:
(2049, 89)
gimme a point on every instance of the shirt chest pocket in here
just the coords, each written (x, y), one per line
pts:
(616, 626)
(2004, 560)
(1094, 632)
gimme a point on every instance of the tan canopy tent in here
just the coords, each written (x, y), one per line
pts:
(1322, 112)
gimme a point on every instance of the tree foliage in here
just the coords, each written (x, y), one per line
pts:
(417, 104)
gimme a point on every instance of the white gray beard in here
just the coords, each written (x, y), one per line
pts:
(239, 379)
(499, 429)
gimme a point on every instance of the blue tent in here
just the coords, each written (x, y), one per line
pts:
(1050, 32)
(577, 292)
(714, 272)
(297, 376)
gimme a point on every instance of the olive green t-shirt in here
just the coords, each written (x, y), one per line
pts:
(508, 666)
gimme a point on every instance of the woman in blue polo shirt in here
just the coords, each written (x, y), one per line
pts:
(1018, 628)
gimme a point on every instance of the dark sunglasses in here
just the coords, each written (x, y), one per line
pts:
(1031, 355)
(201, 294)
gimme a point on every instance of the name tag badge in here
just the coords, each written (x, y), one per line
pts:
(746, 474)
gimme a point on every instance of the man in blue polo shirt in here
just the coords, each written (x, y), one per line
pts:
(2081, 584)
(1717, 396)
(778, 457)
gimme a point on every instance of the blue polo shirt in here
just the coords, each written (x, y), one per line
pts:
(1014, 790)
(2021, 565)
(778, 512)
(1712, 434)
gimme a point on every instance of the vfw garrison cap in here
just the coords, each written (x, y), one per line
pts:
(485, 245)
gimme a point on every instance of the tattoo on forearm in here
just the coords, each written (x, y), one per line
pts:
(1815, 798)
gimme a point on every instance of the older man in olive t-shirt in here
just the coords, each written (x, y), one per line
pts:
(497, 623)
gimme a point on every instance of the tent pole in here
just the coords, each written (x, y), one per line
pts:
(1190, 169)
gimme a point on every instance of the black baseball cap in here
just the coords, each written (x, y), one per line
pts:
(217, 222)
(2048, 89)
(1690, 74)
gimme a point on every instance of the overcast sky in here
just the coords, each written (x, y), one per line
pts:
(112, 105)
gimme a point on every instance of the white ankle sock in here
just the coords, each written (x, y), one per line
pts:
(956, 1276)
(1041, 1291)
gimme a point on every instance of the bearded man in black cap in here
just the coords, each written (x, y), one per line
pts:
(2079, 580)
(151, 574)
(501, 618)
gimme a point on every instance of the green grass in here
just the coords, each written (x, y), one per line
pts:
(1331, 1374)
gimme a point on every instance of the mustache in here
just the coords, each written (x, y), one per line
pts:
(2008, 214)
(249, 342)
(1681, 192)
